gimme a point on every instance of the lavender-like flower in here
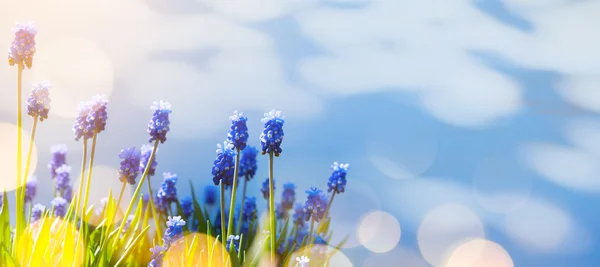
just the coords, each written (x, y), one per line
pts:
(36, 212)
(299, 217)
(67, 194)
(63, 177)
(210, 195)
(337, 181)
(272, 134)
(130, 163)
(22, 49)
(167, 193)
(128, 223)
(280, 212)
(235, 240)
(59, 205)
(288, 196)
(187, 205)
(81, 127)
(97, 115)
(315, 204)
(248, 163)
(58, 158)
(146, 152)
(30, 189)
(157, 256)
(250, 211)
(38, 104)
(159, 125)
(174, 229)
(223, 166)
(238, 132)
(303, 261)
(265, 188)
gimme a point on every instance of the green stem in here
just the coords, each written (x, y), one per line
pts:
(81, 177)
(233, 191)
(152, 208)
(119, 204)
(326, 212)
(223, 237)
(89, 177)
(137, 190)
(239, 225)
(20, 189)
(30, 149)
(273, 223)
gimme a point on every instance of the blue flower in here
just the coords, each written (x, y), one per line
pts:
(97, 116)
(265, 188)
(58, 158)
(218, 220)
(210, 195)
(248, 163)
(30, 189)
(67, 194)
(130, 163)
(250, 212)
(238, 132)
(167, 193)
(187, 205)
(37, 211)
(337, 181)
(280, 212)
(157, 256)
(288, 196)
(146, 151)
(81, 127)
(315, 204)
(272, 134)
(38, 104)
(235, 240)
(59, 205)
(224, 164)
(174, 229)
(299, 217)
(22, 49)
(63, 177)
(159, 125)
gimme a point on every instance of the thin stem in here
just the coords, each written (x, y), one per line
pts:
(137, 190)
(80, 190)
(152, 207)
(20, 190)
(89, 177)
(273, 223)
(223, 238)
(326, 212)
(119, 204)
(239, 225)
(30, 149)
(233, 191)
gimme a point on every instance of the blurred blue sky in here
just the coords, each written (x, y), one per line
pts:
(491, 105)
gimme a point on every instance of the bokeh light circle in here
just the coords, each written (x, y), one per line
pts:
(8, 162)
(479, 253)
(444, 228)
(379, 231)
(318, 256)
(55, 242)
(197, 249)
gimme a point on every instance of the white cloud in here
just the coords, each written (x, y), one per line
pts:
(582, 91)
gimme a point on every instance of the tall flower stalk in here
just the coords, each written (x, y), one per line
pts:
(270, 140)
(222, 171)
(247, 170)
(238, 137)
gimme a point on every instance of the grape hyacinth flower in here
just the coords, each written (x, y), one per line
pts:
(337, 180)
(210, 195)
(159, 125)
(174, 229)
(157, 256)
(97, 115)
(38, 104)
(59, 205)
(248, 163)
(265, 188)
(146, 151)
(130, 163)
(63, 178)
(58, 158)
(36, 212)
(187, 205)
(67, 194)
(223, 166)
(250, 211)
(272, 135)
(128, 223)
(280, 212)
(238, 132)
(235, 240)
(81, 127)
(299, 217)
(30, 189)
(22, 49)
(288, 196)
(302, 261)
(167, 193)
(315, 205)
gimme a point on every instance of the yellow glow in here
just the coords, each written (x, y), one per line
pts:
(479, 253)
(8, 163)
(379, 231)
(195, 250)
(54, 240)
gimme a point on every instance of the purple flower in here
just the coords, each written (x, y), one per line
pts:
(146, 152)
(59, 205)
(174, 229)
(129, 165)
(81, 127)
(272, 134)
(265, 188)
(167, 193)
(128, 223)
(63, 177)
(299, 217)
(30, 189)
(315, 205)
(22, 49)
(37, 211)
(159, 125)
(223, 166)
(187, 205)
(59, 157)
(288, 196)
(38, 104)
(238, 132)
(337, 180)
(157, 256)
(248, 163)
(67, 194)
(235, 240)
(210, 195)
(280, 212)
(97, 116)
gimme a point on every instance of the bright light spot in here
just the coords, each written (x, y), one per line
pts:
(56, 241)
(195, 249)
(479, 253)
(397, 257)
(443, 228)
(379, 231)
(340, 260)
(318, 256)
(8, 162)
(78, 69)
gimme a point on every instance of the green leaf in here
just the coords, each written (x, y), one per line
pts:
(5, 222)
(131, 246)
(198, 214)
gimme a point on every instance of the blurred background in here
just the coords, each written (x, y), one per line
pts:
(471, 127)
